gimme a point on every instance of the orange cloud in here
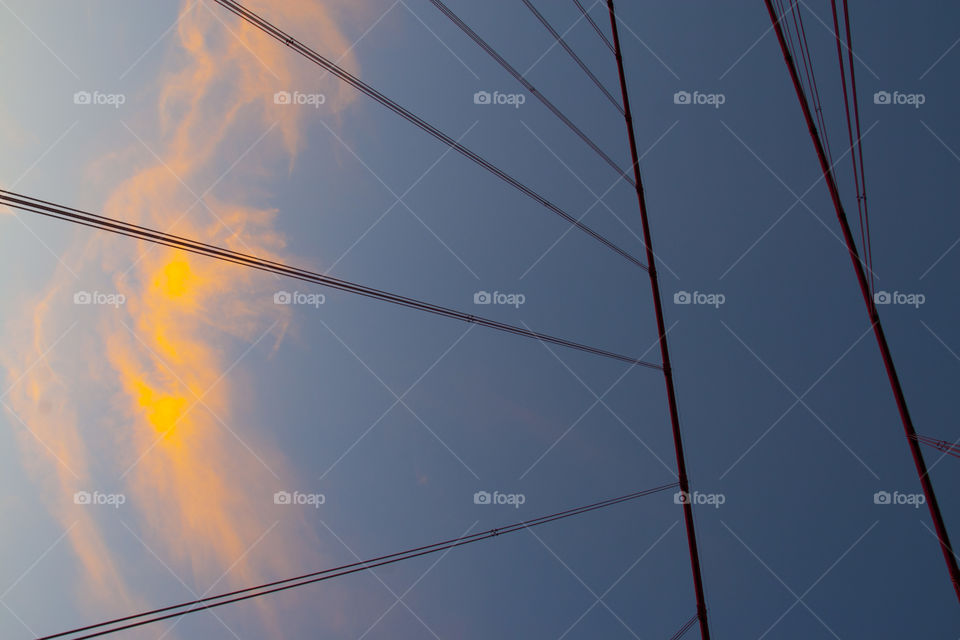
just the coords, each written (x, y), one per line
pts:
(160, 362)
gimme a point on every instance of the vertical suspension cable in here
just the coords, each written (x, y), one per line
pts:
(572, 54)
(796, 16)
(339, 72)
(922, 471)
(781, 15)
(868, 250)
(661, 329)
(853, 143)
(593, 24)
(813, 83)
(519, 77)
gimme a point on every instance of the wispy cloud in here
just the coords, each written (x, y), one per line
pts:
(140, 399)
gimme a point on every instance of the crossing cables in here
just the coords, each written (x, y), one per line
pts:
(921, 466)
(210, 602)
(283, 37)
(103, 223)
(453, 17)
(595, 26)
(572, 54)
(950, 448)
(856, 144)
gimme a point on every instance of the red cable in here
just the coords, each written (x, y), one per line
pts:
(662, 332)
(950, 448)
(853, 147)
(812, 80)
(856, 112)
(922, 471)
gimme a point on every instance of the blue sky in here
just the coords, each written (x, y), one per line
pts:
(784, 404)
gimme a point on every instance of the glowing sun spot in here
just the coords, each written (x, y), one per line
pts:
(175, 278)
(163, 410)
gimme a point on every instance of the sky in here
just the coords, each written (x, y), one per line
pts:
(158, 409)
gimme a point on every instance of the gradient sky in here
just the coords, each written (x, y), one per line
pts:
(785, 408)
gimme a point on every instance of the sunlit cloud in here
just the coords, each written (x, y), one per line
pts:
(143, 400)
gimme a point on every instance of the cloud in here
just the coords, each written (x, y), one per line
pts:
(139, 398)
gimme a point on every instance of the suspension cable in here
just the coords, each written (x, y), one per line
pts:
(453, 17)
(572, 54)
(283, 37)
(950, 448)
(893, 377)
(686, 627)
(664, 349)
(60, 212)
(246, 593)
(854, 151)
(594, 24)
